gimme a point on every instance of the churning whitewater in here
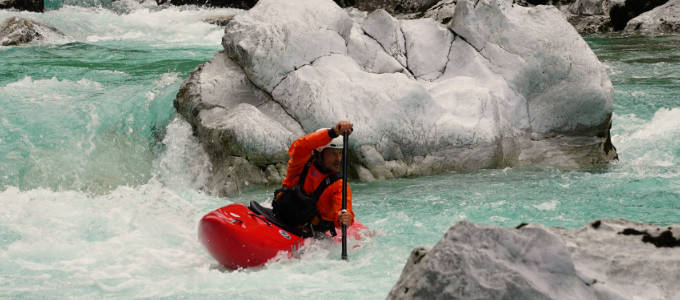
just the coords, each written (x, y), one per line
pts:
(102, 184)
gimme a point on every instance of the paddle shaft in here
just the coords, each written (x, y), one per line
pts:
(345, 138)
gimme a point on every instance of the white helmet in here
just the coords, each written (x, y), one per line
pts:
(336, 143)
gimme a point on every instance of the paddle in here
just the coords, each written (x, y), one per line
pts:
(345, 137)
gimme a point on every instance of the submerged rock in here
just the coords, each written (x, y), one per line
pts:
(660, 20)
(16, 31)
(602, 260)
(500, 85)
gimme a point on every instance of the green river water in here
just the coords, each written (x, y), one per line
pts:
(100, 182)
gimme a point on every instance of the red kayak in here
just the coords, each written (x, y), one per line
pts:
(239, 237)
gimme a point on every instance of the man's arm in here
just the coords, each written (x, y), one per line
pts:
(330, 205)
(303, 148)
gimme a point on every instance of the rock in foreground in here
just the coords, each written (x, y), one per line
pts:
(608, 259)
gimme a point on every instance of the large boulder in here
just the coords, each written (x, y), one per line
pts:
(29, 5)
(609, 259)
(500, 86)
(622, 12)
(245, 132)
(661, 20)
(16, 31)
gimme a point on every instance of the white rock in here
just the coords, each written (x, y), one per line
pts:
(364, 174)
(228, 101)
(608, 259)
(276, 37)
(369, 54)
(251, 134)
(427, 47)
(488, 262)
(386, 30)
(543, 59)
(375, 162)
(442, 11)
(660, 20)
(510, 86)
(625, 262)
(384, 106)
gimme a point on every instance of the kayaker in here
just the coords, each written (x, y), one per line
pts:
(315, 205)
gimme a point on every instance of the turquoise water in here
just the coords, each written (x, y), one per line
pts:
(100, 182)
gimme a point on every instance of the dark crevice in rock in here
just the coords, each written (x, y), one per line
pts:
(521, 225)
(385, 50)
(665, 239)
(272, 99)
(284, 78)
(591, 283)
(608, 147)
(456, 35)
(596, 224)
(440, 4)
(418, 255)
(406, 52)
(442, 71)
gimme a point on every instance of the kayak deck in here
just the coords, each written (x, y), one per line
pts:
(241, 237)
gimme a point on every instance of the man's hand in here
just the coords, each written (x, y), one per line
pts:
(342, 127)
(345, 218)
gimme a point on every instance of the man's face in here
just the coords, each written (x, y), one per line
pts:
(331, 159)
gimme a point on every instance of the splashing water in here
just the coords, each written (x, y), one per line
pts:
(100, 182)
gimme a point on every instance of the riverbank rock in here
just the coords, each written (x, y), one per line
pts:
(499, 85)
(622, 13)
(391, 6)
(598, 16)
(661, 20)
(608, 259)
(242, 4)
(29, 5)
(16, 31)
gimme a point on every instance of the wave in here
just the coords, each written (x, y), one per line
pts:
(131, 21)
(649, 143)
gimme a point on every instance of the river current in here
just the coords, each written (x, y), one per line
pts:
(100, 181)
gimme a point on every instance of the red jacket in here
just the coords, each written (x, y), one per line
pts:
(330, 201)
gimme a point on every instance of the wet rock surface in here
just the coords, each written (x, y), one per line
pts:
(498, 85)
(602, 260)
